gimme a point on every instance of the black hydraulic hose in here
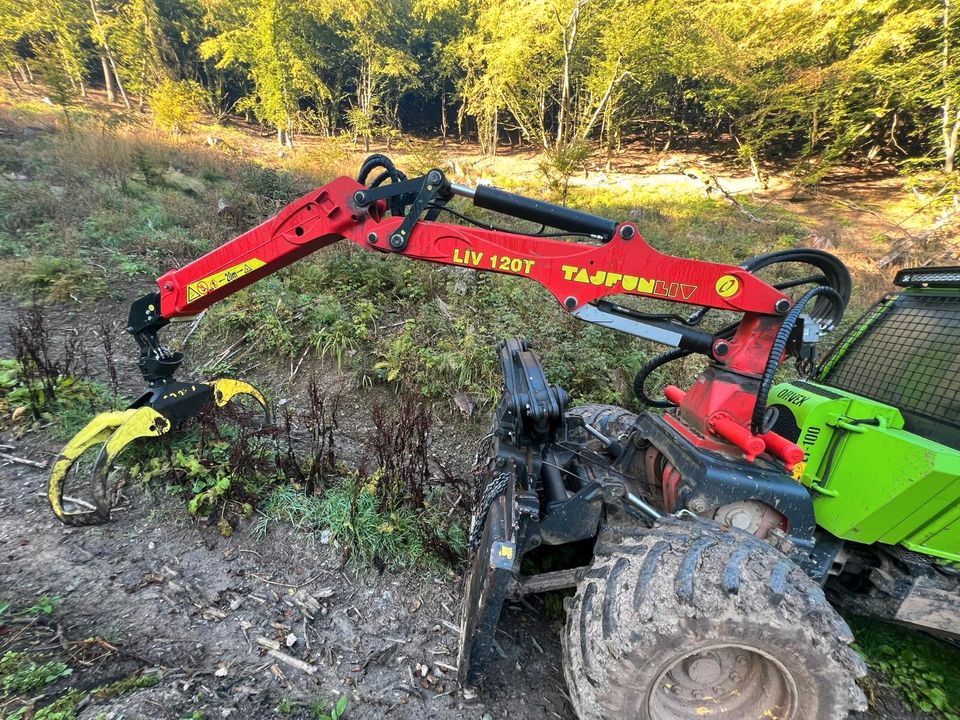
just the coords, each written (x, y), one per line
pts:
(377, 160)
(826, 311)
(778, 347)
(398, 204)
(640, 379)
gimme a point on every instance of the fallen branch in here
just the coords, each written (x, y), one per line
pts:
(711, 184)
(267, 643)
(292, 662)
(70, 499)
(290, 585)
(22, 461)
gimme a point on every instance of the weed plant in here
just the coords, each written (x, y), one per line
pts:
(922, 668)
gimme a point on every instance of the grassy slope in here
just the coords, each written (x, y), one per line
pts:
(99, 215)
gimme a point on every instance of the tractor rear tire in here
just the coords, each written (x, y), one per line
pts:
(610, 420)
(687, 620)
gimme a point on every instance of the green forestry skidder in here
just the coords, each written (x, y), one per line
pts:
(708, 543)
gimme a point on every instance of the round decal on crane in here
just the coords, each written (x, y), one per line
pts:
(728, 286)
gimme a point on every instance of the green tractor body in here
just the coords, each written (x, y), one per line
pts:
(881, 426)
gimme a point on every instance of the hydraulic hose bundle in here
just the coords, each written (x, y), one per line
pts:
(829, 297)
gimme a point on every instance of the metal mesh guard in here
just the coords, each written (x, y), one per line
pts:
(929, 277)
(909, 357)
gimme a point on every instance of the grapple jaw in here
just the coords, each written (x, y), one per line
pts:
(153, 414)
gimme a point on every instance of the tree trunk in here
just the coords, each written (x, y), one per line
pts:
(123, 93)
(614, 81)
(569, 38)
(13, 77)
(285, 136)
(108, 77)
(443, 113)
(951, 118)
(951, 133)
(106, 59)
(143, 83)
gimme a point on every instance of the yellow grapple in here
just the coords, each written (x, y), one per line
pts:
(152, 415)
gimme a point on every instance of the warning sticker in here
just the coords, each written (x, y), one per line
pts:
(198, 289)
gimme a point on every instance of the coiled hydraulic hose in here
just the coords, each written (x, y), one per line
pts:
(390, 172)
(827, 311)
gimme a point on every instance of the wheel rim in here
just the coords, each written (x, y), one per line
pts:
(724, 681)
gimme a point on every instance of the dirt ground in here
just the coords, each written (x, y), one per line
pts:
(175, 595)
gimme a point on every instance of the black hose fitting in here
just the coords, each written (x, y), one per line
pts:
(779, 346)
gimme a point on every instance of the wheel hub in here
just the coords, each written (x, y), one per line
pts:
(724, 681)
(703, 670)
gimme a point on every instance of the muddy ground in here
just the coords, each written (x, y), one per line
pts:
(175, 595)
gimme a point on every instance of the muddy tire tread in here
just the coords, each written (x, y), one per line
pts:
(657, 584)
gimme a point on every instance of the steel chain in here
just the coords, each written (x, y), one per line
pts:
(496, 486)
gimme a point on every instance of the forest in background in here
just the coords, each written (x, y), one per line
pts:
(806, 84)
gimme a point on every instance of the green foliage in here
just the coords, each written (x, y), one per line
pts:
(395, 537)
(176, 105)
(337, 711)
(18, 674)
(66, 706)
(285, 706)
(276, 44)
(26, 396)
(63, 708)
(44, 606)
(128, 684)
(560, 163)
(919, 666)
(820, 83)
(216, 464)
